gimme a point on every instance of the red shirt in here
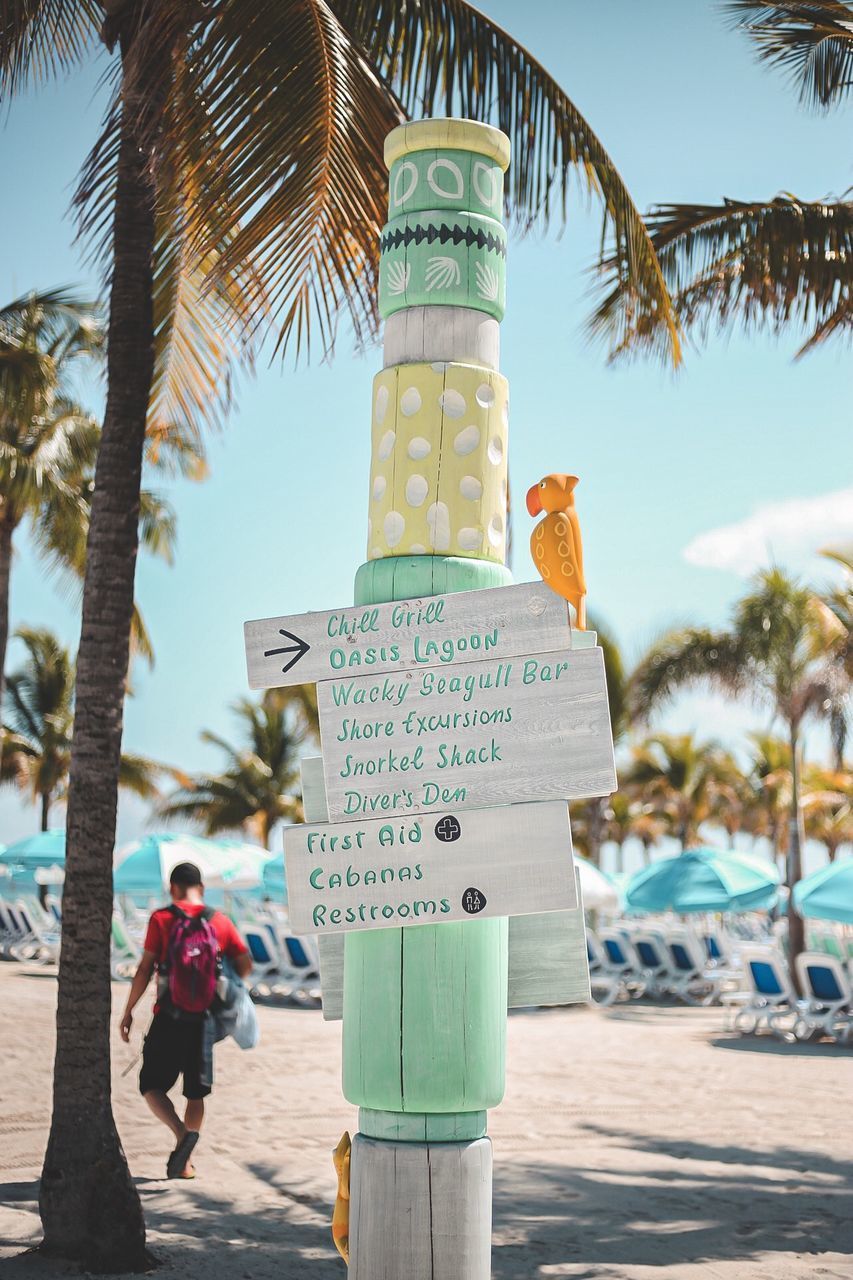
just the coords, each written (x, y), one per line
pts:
(162, 921)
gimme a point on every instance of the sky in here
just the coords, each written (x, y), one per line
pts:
(689, 482)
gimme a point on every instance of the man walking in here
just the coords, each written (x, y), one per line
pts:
(185, 943)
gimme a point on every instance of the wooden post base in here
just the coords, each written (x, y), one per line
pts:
(420, 1211)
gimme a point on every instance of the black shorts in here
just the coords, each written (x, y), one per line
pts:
(173, 1047)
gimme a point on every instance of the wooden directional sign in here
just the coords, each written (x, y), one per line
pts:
(377, 639)
(429, 869)
(532, 728)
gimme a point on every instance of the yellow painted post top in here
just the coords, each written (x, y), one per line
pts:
(450, 135)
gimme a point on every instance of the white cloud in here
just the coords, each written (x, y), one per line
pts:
(787, 533)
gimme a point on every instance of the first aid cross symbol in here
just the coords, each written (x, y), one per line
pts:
(448, 829)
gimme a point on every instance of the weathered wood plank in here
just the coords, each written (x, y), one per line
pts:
(548, 962)
(429, 334)
(456, 627)
(420, 1211)
(375, 874)
(433, 740)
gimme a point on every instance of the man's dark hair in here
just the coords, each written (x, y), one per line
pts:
(185, 875)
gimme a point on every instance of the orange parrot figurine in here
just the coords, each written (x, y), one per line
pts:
(340, 1214)
(556, 541)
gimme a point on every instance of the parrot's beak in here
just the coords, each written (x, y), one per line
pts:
(534, 502)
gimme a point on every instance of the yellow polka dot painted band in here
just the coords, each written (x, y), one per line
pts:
(438, 474)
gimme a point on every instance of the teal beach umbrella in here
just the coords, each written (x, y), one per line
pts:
(704, 880)
(46, 849)
(275, 884)
(32, 861)
(827, 894)
(143, 867)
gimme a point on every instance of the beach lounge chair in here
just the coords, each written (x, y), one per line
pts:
(620, 960)
(689, 977)
(38, 944)
(125, 954)
(266, 960)
(827, 1004)
(10, 930)
(299, 965)
(605, 987)
(768, 999)
(654, 959)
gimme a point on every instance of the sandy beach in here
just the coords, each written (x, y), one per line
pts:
(636, 1142)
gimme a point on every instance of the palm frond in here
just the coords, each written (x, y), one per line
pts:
(141, 775)
(684, 658)
(158, 525)
(288, 157)
(40, 38)
(810, 40)
(446, 55)
(773, 264)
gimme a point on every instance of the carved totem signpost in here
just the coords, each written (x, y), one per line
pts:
(455, 725)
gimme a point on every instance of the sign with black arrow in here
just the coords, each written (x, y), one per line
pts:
(298, 648)
(439, 631)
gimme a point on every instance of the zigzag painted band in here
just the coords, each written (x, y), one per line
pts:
(456, 235)
(436, 259)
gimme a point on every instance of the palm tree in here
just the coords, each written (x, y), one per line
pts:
(46, 439)
(48, 446)
(676, 775)
(784, 649)
(781, 261)
(588, 816)
(38, 727)
(240, 178)
(730, 797)
(260, 784)
(828, 807)
(770, 780)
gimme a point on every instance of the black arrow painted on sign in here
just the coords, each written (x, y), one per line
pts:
(299, 648)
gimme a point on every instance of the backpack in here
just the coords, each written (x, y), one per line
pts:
(192, 961)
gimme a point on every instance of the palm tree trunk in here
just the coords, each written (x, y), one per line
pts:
(89, 1205)
(5, 574)
(796, 926)
(45, 810)
(595, 829)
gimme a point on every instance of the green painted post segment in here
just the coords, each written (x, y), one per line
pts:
(416, 1039)
(446, 179)
(424, 1008)
(444, 259)
(401, 1126)
(410, 577)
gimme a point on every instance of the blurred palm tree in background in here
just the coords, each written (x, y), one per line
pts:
(828, 807)
(239, 182)
(38, 725)
(46, 439)
(769, 775)
(675, 774)
(774, 263)
(260, 785)
(787, 651)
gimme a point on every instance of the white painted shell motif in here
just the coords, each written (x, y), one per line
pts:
(487, 281)
(441, 273)
(398, 276)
